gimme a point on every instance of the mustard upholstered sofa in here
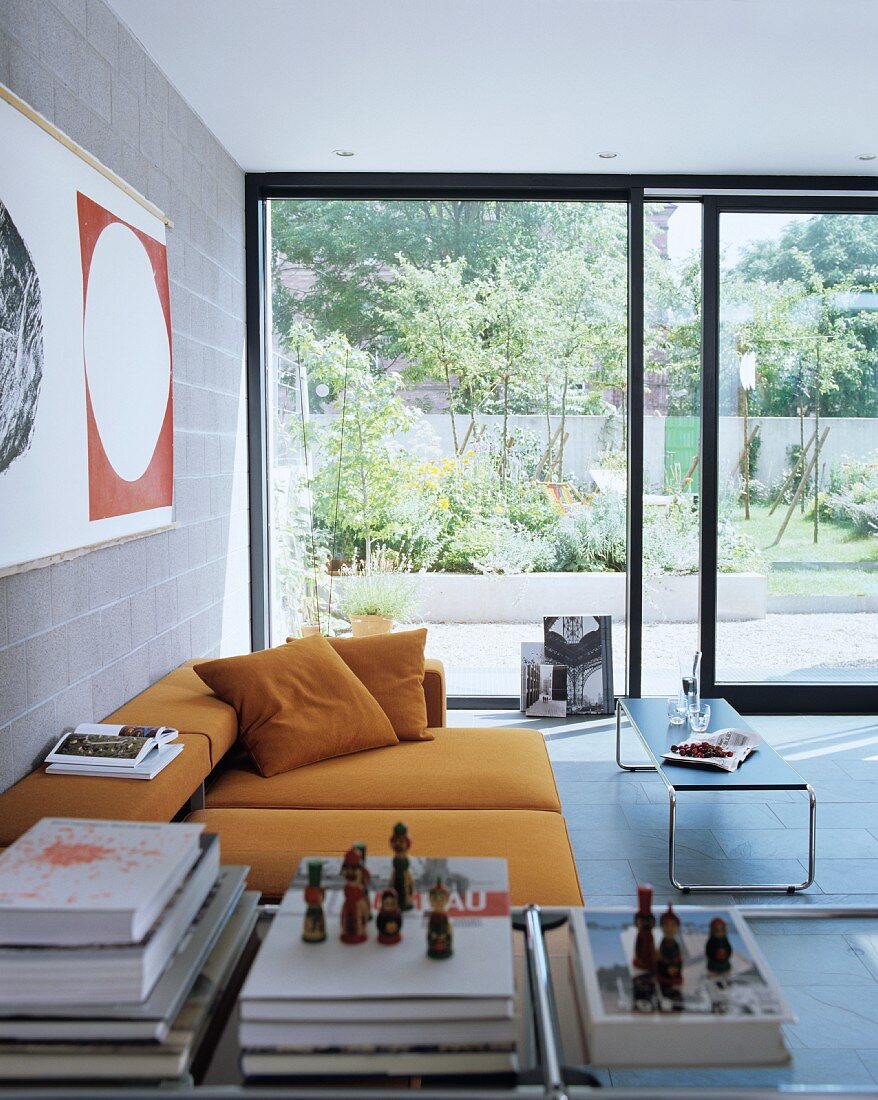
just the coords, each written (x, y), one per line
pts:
(485, 791)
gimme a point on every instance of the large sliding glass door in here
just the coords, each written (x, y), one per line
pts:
(795, 593)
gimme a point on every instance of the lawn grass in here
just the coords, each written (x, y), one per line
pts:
(835, 543)
(823, 582)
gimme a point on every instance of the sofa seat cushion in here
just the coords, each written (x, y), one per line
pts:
(488, 768)
(42, 795)
(272, 842)
(182, 699)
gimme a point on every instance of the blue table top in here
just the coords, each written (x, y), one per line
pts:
(763, 770)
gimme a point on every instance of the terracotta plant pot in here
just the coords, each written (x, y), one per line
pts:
(362, 626)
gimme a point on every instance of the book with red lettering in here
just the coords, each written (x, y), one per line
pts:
(304, 1001)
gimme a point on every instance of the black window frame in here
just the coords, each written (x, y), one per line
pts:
(717, 194)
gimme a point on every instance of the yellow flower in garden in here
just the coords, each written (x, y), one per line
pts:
(498, 510)
(444, 502)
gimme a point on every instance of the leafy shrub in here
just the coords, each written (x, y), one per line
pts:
(852, 498)
(593, 537)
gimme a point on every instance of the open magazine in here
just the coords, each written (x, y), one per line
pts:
(724, 749)
(108, 746)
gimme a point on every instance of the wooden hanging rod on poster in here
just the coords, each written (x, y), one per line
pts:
(83, 154)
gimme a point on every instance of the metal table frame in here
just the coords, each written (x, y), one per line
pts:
(687, 887)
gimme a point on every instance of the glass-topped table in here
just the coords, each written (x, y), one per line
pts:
(763, 770)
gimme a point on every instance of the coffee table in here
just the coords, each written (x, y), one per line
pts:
(764, 770)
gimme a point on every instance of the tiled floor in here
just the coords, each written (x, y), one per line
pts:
(827, 968)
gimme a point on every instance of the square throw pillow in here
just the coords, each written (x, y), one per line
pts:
(392, 667)
(298, 703)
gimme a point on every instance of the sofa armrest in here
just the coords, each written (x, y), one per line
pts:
(434, 693)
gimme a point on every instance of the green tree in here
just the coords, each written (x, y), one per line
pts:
(436, 319)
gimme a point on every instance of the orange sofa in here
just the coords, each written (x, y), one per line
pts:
(486, 791)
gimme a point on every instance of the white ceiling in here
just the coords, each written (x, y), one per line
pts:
(751, 86)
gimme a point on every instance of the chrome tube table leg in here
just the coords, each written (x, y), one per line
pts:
(623, 766)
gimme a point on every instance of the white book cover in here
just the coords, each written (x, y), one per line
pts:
(71, 882)
(481, 966)
(155, 761)
(105, 745)
(728, 1018)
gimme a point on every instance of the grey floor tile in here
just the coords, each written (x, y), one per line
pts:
(586, 771)
(643, 843)
(839, 876)
(779, 843)
(830, 815)
(869, 1059)
(597, 794)
(836, 1017)
(605, 876)
(694, 813)
(581, 817)
(846, 790)
(818, 961)
(721, 872)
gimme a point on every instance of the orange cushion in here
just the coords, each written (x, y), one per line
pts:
(542, 870)
(392, 668)
(297, 704)
(486, 768)
(42, 795)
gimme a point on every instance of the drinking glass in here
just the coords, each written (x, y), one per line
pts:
(699, 718)
(676, 710)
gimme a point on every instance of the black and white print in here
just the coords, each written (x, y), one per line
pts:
(583, 644)
(21, 343)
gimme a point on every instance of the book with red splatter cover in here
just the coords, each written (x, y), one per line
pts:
(68, 882)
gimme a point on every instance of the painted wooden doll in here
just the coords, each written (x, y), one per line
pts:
(669, 965)
(718, 949)
(354, 917)
(440, 940)
(314, 929)
(389, 922)
(401, 879)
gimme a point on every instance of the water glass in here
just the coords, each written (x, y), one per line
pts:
(676, 711)
(699, 718)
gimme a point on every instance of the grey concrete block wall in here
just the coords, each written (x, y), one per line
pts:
(79, 638)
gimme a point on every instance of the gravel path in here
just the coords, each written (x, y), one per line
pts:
(777, 646)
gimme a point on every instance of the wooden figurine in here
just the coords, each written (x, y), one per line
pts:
(644, 922)
(718, 949)
(353, 913)
(389, 921)
(366, 879)
(440, 941)
(314, 929)
(402, 880)
(669, 965)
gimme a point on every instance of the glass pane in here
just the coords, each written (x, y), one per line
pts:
(798, 553)
(448, 396)
(672, 409)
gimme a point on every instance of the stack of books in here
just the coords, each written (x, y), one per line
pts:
(119, 752)
(336, 1009)
(117, 939)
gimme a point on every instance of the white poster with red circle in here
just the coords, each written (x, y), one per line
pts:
(86, 397)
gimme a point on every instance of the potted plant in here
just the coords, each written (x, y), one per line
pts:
(374, 601)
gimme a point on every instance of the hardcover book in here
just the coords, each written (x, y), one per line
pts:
(104, 745)
(730, 1017)
(71, 882)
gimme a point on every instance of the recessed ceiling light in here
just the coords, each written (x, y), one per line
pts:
(343, 152)
(867, 156)
(607, 155)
